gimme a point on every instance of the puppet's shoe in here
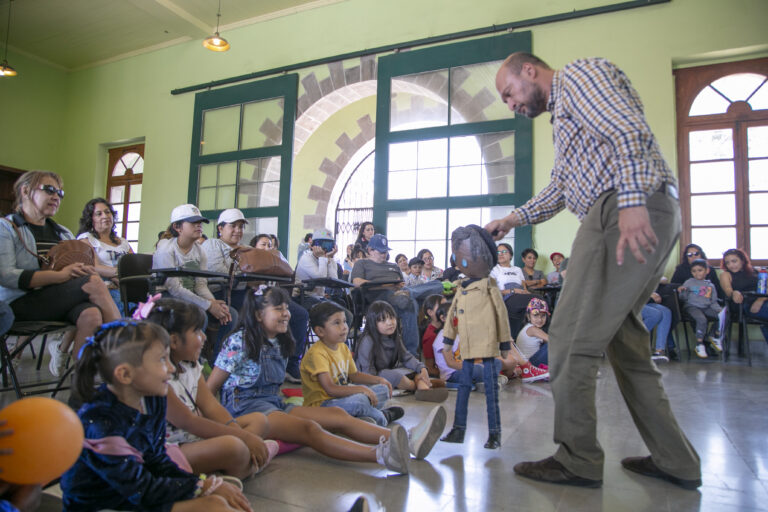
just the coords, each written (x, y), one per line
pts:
(456, 435)
(493, 442)
(432, 394)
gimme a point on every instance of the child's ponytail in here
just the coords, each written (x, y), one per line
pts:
(115, 343)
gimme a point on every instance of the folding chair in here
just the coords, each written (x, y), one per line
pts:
(30, 330)
(744, 322)
(135, 278)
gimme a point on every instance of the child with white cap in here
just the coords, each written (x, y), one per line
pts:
(177, 248)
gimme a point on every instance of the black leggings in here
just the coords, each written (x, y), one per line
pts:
(57, 302)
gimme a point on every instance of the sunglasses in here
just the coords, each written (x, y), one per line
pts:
(503, 251)
(51, 190)
(691, 254)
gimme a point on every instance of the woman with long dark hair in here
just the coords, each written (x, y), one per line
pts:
(739, 276)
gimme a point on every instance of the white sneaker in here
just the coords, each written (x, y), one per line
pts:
(423, 436)
(393, 453)
(58, 362)
(715, 343)
(701, 351)
(503, 379)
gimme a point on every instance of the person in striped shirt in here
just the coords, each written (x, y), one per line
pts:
(610, 172)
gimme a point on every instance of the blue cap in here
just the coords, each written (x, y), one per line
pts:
(379, 243)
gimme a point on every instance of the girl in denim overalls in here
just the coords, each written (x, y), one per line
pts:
(251, 368)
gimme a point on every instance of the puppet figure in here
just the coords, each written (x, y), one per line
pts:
(478, 316)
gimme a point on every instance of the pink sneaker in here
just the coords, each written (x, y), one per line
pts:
(532, 373)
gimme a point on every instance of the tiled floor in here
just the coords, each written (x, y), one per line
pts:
(723, 408)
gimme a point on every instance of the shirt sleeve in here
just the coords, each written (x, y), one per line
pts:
(315, 363)
(365, 356)
(358, 271)
(230, 355)
(410, 361)
(545, 205)
(9, 272)
(601, 99)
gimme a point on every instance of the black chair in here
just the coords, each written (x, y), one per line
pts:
(29, 330)
(686, 320)
(135, 278)
(745, 321)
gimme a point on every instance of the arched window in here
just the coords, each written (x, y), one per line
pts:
(126, 170)
(722, 113)
(355, 199)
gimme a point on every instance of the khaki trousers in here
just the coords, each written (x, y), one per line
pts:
(599, 312)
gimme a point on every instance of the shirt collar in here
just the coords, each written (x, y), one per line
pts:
(554, 91)
(20, 221)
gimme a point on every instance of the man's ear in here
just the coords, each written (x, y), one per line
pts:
(529, 70)
(123, 374)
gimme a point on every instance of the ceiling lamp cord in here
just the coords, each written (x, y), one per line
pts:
(5, 69)
(215, 42)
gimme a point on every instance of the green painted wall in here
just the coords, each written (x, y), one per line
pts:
(130, 99)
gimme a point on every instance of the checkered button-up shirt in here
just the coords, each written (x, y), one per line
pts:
(602, 142)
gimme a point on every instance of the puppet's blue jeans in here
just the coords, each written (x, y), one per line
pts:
(491, 368)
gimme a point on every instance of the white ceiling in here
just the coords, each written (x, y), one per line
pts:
(76, 34)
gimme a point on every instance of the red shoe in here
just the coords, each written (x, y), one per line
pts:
(544, 366)
(532, 373)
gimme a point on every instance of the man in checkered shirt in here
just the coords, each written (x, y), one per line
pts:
(609, 172)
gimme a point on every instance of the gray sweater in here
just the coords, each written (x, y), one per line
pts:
(700, 293)
(364, 359)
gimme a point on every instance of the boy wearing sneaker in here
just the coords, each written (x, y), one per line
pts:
(329, 376)
(699, 298)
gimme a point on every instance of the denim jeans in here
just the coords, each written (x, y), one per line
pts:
(407, 310)
(6, 317)
(455, 377)
(541, 356)
(657, 315)
(359, 405)
(419, 292)
(761, 314)
(491, 368)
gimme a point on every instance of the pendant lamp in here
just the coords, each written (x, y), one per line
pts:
(5, 68)
(215, 42)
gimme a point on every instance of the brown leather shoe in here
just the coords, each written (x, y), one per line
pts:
(550, 470)
(645, 466)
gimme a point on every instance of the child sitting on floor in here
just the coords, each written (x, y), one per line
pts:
(380, 351)
(532, 340)
(429, 325)
(328, 372)
(124, 465)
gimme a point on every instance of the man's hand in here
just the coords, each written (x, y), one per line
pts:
(635, 231)
(500, 227)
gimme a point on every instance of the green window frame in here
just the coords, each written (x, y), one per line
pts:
(285, 90)
(450, 57)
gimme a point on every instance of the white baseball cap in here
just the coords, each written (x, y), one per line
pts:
(187, 213)
(231, 215)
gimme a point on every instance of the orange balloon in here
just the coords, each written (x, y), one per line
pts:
(47, 439)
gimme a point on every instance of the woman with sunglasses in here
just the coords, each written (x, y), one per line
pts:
(683, 270)
(97, 227)
(75, 293)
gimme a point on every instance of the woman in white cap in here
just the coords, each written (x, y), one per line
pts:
(177, 248)
(229, 234)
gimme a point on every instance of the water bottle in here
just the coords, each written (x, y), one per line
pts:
(762, 282)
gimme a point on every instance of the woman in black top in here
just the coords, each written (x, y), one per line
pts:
(683, 270)
(738, 276)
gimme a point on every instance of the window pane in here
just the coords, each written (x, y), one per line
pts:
(437, 247)
(119, 229)
(120, 209)
(263, 123)
(228, 173)
(207, 175)
(467, 180)
(402, 185)
(739, 86)
(712, 177)
(708, 102)
(758, 208)
(757, 141)
(403, 157)
(407, 247)
(136, 193)
(465, 151)
(713, 210)
(759, 243)
(116, 195)
(207, 199)
(716, 240)
(225, 198)
(259, 183)
(473, 96)
(134, 212)
(132, 231)
(138, 167)
(479, 216)
(433, 153)
(432, 182)
(258, 225)
(401, 226)
(119, 169)
(221, 127)
(419, 100)
(134, 246)
(495, 152)
(711, 144)
(430, 224)
(760, 100)
(758, 175)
